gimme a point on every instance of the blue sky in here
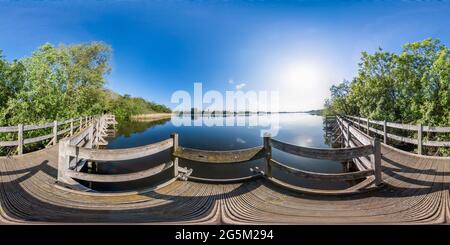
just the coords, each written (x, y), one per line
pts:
(298, 48)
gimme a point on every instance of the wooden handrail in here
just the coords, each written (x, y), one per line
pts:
(219, 181)
(323, 176)
(419, 141)
(234, 156)
(21, 129)
(411, 127)
(113, 178)
(103, 155)
(327, 154)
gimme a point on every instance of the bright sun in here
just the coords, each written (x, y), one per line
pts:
(301, 84)
(300, 73)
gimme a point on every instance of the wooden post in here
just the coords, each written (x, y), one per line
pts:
(55, 132)
(367, 126)
(347, 143)
(268, 150)
(419, 139)
(63, 160)
(174, 137)
(71, 127)
(20, 139)
(97, 132)
(384, 132)
(91, 137)
(376, 160)
(81, 124)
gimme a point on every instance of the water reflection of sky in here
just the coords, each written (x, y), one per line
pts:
(295, 128)
(298, 128)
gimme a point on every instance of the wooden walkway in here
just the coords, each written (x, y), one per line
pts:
(416, 190)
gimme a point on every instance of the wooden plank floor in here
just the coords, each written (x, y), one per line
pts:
(416, 191)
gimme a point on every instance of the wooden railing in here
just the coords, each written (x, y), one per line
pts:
(222, 157)
(59, 129)
(235, 156)
(368, 125)
(353, 137)
(372, 149)
(75, 151)
(265, 151)
(79, 148)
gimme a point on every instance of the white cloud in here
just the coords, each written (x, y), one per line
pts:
(231, 81)
(240, 86)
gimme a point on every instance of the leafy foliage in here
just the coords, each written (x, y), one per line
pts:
(57, 83)
(412, 86)
(125, 106)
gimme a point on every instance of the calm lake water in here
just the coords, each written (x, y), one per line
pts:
(295, 128)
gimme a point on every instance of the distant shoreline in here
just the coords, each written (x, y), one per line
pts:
(160, 116)
(150, 117)
(315, 112)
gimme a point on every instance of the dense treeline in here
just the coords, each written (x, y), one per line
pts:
(412, 86)
(57, 83)
(125, 106)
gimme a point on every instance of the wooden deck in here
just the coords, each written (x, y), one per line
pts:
(416, 190)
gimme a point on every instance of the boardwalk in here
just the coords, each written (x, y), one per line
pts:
(417, 191)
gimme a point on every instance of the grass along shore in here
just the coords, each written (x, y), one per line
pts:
(150, 117)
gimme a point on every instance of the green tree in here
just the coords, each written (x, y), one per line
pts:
(60, 82)
(412, 86)
(11, 82)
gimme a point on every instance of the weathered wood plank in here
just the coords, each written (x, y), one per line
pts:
(9, 129)
(234, 156)
(224, 181)
(436, 129)
(37, 139)
(102, 155)
(328, 154)
(357, 189)
(112, 178)
(77, 138)
(322, 176)
(436, 143)
(35, 127)
(8, 143)
(402, 138)
(402, 126)
(361, 137)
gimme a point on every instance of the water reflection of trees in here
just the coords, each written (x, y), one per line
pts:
(126, 128)
(327, 132)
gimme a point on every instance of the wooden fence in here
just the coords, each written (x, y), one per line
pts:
(368, 125)
(59, 129)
